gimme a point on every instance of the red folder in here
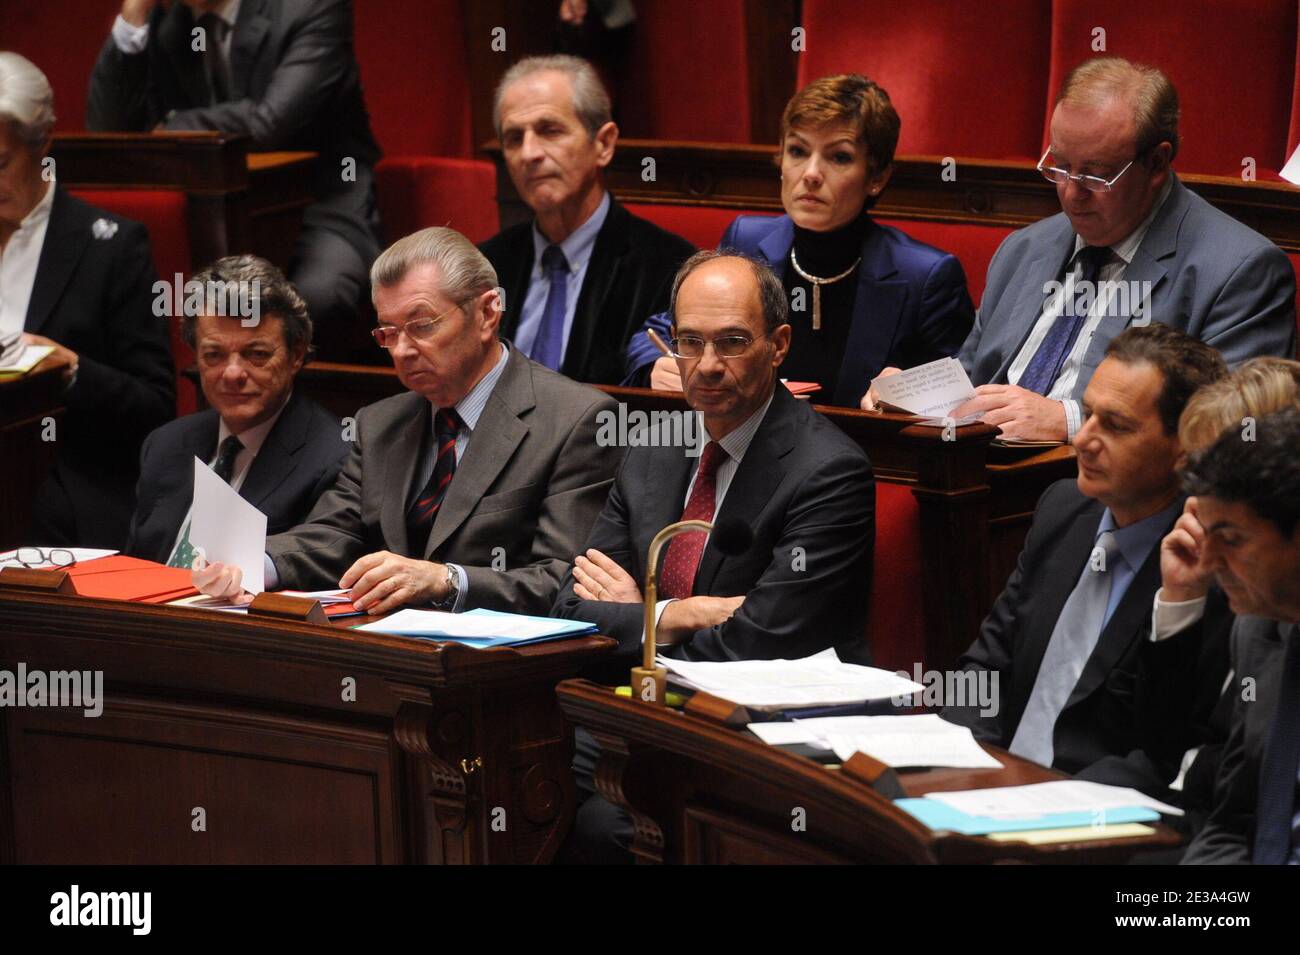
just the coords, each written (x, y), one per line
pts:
(129, 578)
(803, 387)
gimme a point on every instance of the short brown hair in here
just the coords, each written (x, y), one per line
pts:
(1186, 364)
(1254, 388)
(1154, 99)
(854, 100)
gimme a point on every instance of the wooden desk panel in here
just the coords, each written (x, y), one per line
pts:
(26, 403)
(446, 754)
(702, 792)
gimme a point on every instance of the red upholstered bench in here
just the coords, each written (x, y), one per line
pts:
(414, 192)
(1295, 264)
(701, 225)
(973, 245)
(895, 623)
(163, 213)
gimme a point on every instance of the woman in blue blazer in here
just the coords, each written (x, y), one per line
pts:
(863, 296)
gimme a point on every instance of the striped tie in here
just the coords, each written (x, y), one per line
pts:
(446, 425)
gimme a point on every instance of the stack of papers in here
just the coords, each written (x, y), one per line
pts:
(932, 390)
(478, 628)
(897, 741)
(22, 359)
(1054, 805)
(818, 680)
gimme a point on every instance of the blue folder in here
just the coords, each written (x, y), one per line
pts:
(939, 816)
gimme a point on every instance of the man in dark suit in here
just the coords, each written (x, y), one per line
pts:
(1047, 317)
(771, 462)
(474, 489)
(1064, 638)
(1247, 535)
(78, 280)
(280, 450)
(284, 73)
(582, 275)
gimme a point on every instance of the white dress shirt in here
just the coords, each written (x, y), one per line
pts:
(18, 261)
(1112, 271)
(130, 39)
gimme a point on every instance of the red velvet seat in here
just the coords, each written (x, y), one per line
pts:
(973, 245)
(895, 624)
(1232, 61)
(1295, 264)
(967, 79)
(63, 38)
(163, 213)
(418, 191)
(701, 225)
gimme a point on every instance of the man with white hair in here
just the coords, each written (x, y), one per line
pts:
(79, 280)
(584, 273)
(473, 489)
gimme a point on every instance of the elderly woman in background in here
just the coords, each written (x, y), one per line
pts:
(863, 296)
(78, 280)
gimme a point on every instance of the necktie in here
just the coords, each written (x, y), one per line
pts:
(224, 468)
(1275, 811)
(419, 519)
(1043, 368)
(1073, 638)
(683, 558)
(214, 57)
(548, 347)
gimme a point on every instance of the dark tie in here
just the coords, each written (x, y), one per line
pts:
(419, 519)
(548, 347)
(684, 551)
(225, 466)
(1046, 364)
(214, 57)
(1276, 806)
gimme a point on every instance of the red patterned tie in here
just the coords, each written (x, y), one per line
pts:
(677, 579)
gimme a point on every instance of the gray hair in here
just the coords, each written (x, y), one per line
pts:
(463, 270)
(590, 101)
(26, 98)
(776, 310)
(256, 279)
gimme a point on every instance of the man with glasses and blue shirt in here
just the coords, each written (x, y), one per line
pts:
(1048, 313)
(473, 489)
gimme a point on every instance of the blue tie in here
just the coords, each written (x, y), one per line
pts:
(548, 347)
(1046, 364)
(1276, 806)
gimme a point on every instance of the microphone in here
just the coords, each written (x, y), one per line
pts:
(731, 537)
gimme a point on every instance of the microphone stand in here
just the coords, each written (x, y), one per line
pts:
(649, 682)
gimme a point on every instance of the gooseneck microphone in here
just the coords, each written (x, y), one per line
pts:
(731, 537)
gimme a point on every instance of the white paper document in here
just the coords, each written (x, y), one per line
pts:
(898, 741)
(1291, 171)
(228, 528)
(1040, 799)
(932, 390)
(819, 680)
(23, 358)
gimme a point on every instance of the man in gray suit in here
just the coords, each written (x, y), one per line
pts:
(473, 490)
(1131, 245)
(1244, 533)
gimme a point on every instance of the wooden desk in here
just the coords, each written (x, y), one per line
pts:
(26, 404)
(702, 792)
(447, 755)
(238, 201)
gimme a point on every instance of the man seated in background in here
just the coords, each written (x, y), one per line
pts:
(79, 280)
(1046, 319)
(584, 272)
(284, 73)
(1248, 503)
(1066, 634)
(473, 489)
(277, 448)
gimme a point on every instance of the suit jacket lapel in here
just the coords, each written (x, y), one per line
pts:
(1043, 268)
(405, 446)
(607, 255)
(176, 46)
(276, 458)
(877, 310)
(66, 237)
(492, 444)
(757, 477)
(775, 246)
(515, 285)
(249, 32)
(663, 499)
(1277, 776)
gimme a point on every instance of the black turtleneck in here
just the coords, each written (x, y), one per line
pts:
(816, 355)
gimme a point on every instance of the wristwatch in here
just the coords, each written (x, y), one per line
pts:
(453, 589)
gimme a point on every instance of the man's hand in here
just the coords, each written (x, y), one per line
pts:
(665, 376)
(1019, 412)
(61, 357)
(1183, 571)
(383, 582)
(219, 580)
(573, 11)
(869, 400)
(681, 618)
(136, 12)
(597, 577)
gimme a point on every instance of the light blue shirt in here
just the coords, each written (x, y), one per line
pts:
(1134, 545)
(577, 249)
